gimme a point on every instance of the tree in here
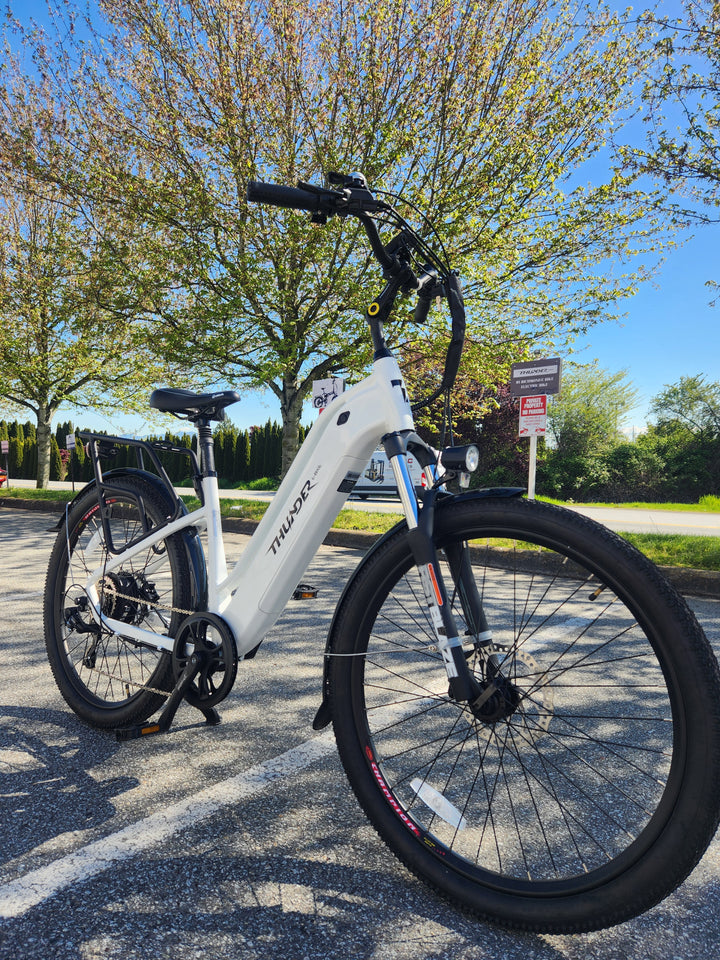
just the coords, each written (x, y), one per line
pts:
(587, 415)
(56, 464)
(693, 402)
(29, 466)
(15, 458)
(68, 305)
(59, 343)
(584, 423)
(683, 113)
(687, 90)
(242, 457)
(483, 114)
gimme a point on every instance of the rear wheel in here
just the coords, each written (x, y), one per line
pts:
(588, 786)
(106, 678)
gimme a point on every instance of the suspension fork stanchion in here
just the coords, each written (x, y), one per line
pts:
(463, 686)
(396, 453)
(458, 556)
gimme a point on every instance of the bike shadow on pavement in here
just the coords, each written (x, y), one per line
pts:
(45, 783)
(299, 874)
(279, 907)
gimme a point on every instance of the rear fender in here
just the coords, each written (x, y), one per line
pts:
(191, 540)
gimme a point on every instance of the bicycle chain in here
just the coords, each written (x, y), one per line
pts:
(130, 683)
(147, 603)
(134, 683)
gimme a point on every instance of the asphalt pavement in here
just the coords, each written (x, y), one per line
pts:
(236, 841)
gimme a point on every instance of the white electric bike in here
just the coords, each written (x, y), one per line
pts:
(528, 712)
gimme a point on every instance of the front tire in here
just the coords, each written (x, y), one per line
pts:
(592, 787)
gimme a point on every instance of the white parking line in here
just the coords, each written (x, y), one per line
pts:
(19, 896)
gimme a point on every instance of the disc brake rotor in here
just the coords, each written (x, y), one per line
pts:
(535, 696)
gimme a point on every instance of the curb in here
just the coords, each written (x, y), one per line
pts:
(690, 582)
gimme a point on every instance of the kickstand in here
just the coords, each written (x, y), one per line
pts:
(212, 717)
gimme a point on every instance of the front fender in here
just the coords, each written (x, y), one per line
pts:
(323, 716)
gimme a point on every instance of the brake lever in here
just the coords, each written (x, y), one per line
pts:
(430, 287)
(321, 191)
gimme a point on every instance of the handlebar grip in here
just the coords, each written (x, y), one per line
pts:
(281, 196)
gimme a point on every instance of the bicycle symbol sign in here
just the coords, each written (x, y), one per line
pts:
(325, 391)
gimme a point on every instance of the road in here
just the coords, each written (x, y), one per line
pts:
(241, 841)
(620, 519)
(632, 520)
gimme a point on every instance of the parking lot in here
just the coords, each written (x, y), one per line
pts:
(236, 841)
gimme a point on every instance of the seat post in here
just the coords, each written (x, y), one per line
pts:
(216, 560)
(206, 448)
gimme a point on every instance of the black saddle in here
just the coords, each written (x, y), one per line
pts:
(193, 406)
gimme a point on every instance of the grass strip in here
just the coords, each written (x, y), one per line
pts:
(673, 550)
(708, 504)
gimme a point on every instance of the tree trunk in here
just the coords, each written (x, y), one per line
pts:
(44, 420)
(291, 411)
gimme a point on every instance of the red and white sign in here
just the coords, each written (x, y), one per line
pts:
(533, 416)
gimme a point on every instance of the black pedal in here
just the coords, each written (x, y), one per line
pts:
(304, 591)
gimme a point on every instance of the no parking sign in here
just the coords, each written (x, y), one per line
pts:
(533, 416)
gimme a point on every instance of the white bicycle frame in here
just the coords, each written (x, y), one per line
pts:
(253, 594)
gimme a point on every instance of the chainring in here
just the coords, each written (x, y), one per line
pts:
(209, 638)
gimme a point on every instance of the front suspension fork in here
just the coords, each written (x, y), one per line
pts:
(463, 685)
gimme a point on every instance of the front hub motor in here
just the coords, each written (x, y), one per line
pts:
(207, 637)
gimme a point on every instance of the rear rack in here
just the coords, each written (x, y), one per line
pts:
(101, 446)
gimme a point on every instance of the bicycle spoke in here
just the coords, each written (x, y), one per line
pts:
(553, 752)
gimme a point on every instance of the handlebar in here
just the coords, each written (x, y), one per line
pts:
(354, 199)
(281, 196)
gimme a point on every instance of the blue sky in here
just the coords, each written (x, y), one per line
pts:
(669, 330)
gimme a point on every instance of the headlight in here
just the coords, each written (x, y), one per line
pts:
(461, 459)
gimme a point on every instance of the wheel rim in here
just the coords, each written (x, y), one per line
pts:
(108, 669)
(565, 788)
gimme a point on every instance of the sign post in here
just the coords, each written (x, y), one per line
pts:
(532, 381)
(533, 424)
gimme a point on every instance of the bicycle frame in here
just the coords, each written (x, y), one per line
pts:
(253, 594)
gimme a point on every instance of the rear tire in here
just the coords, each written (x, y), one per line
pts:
(107, 679)
(594, 788)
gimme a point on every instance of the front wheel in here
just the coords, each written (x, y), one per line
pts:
(589, 786)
